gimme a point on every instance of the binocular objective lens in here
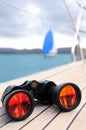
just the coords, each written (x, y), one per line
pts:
(68, 96)
(19, 105)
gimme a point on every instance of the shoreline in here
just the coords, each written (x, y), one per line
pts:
(31, 51)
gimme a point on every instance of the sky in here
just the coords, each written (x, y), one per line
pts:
(24, 23)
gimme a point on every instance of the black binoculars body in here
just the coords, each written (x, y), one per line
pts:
(19, 100)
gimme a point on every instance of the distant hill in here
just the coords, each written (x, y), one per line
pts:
(64, 50)
(30, 51)
(17, 51)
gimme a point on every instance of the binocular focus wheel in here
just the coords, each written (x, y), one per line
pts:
(19, 104)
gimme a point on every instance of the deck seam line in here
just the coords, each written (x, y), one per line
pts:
(51, 120)
(75, 116)
(34, 117)
(3, 114)
(5, 124)
(56, 74)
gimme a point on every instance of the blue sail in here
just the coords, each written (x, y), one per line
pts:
(48, 42)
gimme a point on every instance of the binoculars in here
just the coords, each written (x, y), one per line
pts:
(19, 100)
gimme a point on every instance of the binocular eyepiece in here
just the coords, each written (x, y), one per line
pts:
(19, 100)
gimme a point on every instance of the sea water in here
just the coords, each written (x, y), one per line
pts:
(14, 66)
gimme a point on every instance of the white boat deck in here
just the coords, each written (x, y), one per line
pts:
(45, 117)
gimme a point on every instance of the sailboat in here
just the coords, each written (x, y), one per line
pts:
(48, 45)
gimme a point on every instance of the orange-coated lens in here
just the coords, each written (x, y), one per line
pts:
(68, 96)
(19, 105)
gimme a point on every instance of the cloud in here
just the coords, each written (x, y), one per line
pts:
(53, 14)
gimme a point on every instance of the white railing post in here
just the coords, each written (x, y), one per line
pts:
(77, 34)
